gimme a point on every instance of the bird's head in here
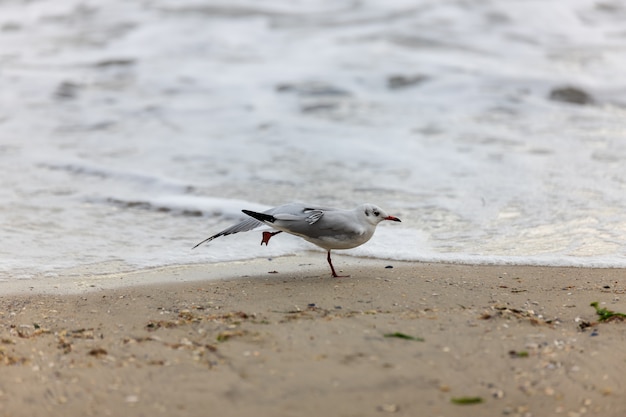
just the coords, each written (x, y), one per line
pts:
(375, 214)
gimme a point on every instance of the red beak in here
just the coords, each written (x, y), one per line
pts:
(395, 219)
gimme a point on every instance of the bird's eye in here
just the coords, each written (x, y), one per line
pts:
(376, 213)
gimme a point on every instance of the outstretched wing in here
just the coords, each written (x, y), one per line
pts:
(292, 218)
(243, 226)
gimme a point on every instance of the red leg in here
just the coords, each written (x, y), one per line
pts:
(333, 268)
(267, 236)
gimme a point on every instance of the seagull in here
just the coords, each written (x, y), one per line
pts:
(328, 228)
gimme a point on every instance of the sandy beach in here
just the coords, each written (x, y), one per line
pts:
(283, 338)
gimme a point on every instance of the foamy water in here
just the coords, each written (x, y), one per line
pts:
(131, 131)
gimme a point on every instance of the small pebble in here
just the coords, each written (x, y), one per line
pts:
(389, 267)
(389, 408)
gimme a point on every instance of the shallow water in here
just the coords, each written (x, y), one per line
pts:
(131, 132)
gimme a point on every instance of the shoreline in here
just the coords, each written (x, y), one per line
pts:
(79, 280)
(524, 340)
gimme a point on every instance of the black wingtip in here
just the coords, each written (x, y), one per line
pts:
(263, 217)
(199, 244)
(208, 239)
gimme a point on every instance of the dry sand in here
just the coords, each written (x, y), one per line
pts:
(286, 339)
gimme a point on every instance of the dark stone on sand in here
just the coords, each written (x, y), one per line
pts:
(571, 95)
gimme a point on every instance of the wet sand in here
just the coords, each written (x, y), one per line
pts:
(283, 338)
